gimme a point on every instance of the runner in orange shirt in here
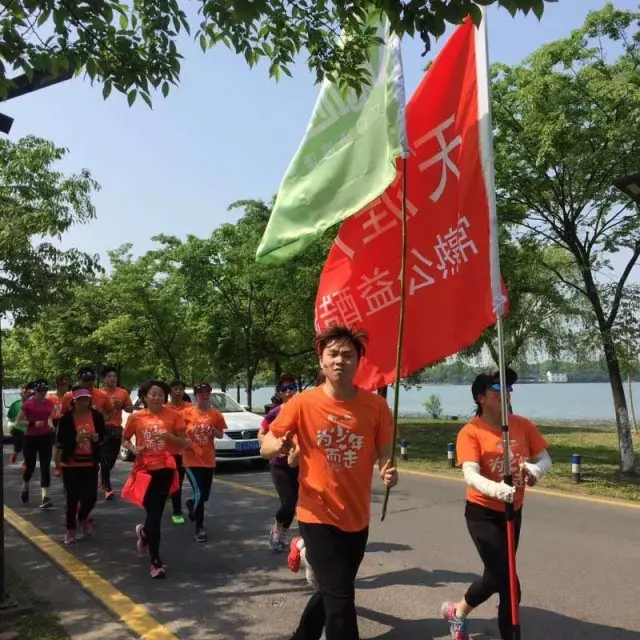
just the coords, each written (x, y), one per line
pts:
(341, 432)
(120, 401)
(180, 402)
(204, 425)
(157, 429)
(480, 451)
(62, 387)
(100, 400)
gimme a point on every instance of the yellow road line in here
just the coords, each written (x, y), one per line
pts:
(131, 614)
(612, 502)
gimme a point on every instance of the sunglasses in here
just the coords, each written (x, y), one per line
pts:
(496, 387)
(288, 387)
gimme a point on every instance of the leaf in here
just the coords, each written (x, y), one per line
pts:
(203, 42)
(124, 21)
(106, 89)
(131, 97)
(147, 99)
(165, 89)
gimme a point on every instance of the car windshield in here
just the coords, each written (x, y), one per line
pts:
(224, 403)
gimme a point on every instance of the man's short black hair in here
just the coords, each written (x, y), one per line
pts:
(109, 369)
(86, 371)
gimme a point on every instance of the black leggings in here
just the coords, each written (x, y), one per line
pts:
(38, 447)
(285, 479)
(200, 479)
(488, 530)
(154, 501)
(176, 498)
(335, 557)
(17, 437)
(109, 455)
(80, 488)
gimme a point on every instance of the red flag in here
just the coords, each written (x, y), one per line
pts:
(453, 285)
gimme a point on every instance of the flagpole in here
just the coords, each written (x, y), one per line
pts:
(396, 391)
(486, 133)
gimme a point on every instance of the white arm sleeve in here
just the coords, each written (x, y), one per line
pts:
(497, 490)
(540, 465)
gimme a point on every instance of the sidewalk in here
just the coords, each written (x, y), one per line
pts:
(80, 615)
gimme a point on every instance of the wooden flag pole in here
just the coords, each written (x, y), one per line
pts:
(396, 392)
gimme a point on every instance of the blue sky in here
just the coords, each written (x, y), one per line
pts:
(225, 133)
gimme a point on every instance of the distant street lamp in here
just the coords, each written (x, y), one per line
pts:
(630, 186)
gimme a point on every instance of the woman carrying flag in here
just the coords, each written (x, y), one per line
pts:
(480, 452)
(203, 425)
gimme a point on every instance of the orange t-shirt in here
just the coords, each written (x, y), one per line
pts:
(100, 401)
(481, 443)
(200, 427)
(84, 446)
(125, 399)
(147, 427)
(56, 401)
(339, 444)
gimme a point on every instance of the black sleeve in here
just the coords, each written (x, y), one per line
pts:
(66, 437)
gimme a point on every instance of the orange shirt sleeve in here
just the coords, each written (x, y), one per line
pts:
(220, 423)
(130, 429)
(384, 428)
(66, 402)
(287, 420)
(537, 443)
(467, 445)
(179, 424)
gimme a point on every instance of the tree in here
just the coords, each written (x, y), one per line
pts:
(566, 125)
(134, 47)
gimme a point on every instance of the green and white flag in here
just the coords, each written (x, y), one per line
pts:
(347, 157)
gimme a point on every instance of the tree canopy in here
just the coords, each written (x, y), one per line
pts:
(134, 47)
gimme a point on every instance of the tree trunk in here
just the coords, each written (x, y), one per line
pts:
(633, 411)
(238, 392)
(627, 457)
(250, 390)
(383, 391)
(277, 371)
(223, 386)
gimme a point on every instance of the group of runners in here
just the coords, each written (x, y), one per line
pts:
(322, 444)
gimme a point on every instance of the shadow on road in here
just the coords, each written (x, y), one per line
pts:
(414, 577)
(387, 547)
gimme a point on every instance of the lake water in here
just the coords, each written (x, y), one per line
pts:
(547, 401)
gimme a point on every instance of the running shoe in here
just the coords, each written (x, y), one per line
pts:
(109, 495)
(293, 560)
(23, 466)
(457, 626)
(87, 529)
(70, 536)
(141, 545)
(191, 504)
(58, 472)
(275, 538)
(177, 518)
(308, 571)
(284, 540)
(13, 458)
(46, 503)
(201, 535)
(157, 570)
(24, 495)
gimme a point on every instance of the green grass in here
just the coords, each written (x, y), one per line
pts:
(40, 623)
(598, 446)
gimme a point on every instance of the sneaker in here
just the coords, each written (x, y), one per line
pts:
(109, 495)
(201, 535)
(141, 545)
(191, 504)
(308, 571)
(23, 466)
(13, 458)
(157, 570)
(46, 503)
(457, 626)
(87, 529)
(177, 518)
(293, 560)
(24, 495)
(275, 537)
(58, 472)
(70, 536)
(284, 540)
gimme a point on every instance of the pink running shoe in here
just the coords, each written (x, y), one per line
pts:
(157, 570)
(70, 536)
(87, 528)
(293, 560)
(141, 545)
(457, 626)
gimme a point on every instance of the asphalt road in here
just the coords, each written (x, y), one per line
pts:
(578, 564)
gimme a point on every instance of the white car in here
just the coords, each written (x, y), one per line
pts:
(240, 441)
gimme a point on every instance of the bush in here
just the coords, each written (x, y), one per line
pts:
(433, 406)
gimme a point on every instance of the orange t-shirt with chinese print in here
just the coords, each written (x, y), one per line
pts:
(200, 427)
(147, 428)
(117, 393)
(481, 443)
(339, 443)
(84, 444)
(56, 401)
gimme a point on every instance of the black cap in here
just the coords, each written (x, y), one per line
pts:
(202, 386)
(486, 380)
(86, 373)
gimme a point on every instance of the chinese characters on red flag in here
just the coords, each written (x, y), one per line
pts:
(449, 299)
